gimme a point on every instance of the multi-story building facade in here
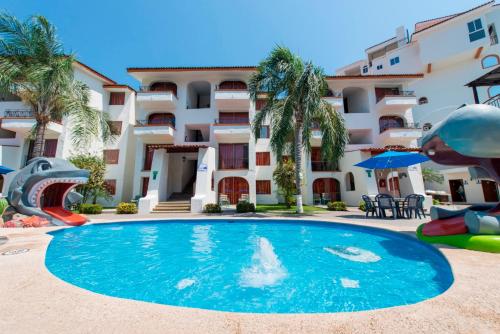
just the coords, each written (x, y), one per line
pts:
(193, 137)
(451, 51)
(106, 95)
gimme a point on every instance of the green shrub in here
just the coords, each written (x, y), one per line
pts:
(243, 207)
(212, 208)
(435, 201)
(362, 206)
(91, 209)
(3, 205)
(337, 206)
(126, 208)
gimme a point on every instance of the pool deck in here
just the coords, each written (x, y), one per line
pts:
(32, 300)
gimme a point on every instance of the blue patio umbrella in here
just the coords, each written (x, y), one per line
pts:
(392, 159)
(5, 170)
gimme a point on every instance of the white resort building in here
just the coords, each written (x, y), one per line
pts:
(184, 137)
(451, 51)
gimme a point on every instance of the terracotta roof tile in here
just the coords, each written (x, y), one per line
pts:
(191, 68)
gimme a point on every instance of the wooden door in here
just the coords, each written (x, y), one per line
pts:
(233, 187)
(490, 190)
(457, 191)
(394, 186)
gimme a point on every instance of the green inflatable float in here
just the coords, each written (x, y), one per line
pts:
(483, 243)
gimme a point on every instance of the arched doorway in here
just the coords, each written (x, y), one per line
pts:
(327, 189)
(161, 119)
(391, 122)
(233, 187)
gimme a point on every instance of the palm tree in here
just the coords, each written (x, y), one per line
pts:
(34, 67)
(294, 91)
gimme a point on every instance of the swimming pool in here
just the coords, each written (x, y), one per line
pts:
(258, 266)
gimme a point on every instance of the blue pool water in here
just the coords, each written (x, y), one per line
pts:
(259, 266)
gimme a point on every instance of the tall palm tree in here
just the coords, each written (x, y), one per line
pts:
(34, 67)
(294, 103)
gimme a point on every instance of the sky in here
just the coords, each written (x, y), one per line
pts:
(111, 35)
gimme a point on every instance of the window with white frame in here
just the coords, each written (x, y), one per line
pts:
(476, 30)
(379, 67)
(365, 69)
(394, 61)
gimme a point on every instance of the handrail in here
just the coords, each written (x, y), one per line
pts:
(146, 122)
(396, 126)
(493, 101)
(234, 120)
(147, 89)
(21, 113)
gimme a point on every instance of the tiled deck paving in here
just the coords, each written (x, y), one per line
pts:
(34, 301)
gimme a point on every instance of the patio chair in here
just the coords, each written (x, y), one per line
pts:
(370, 206)
(316, 199)
(224, 200)
(325, 198)
(386, 202)
(243, 198)
(410, 206)
(420, 205)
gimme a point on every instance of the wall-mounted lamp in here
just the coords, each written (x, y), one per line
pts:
(183, 159)
(466, 182)
(368, 172)
(403, 175)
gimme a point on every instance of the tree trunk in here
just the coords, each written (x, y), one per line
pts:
(298, 166)
(39, 140)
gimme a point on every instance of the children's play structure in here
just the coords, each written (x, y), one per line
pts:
(44, 188)
(470, 136)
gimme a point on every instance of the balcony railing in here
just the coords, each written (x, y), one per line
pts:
(333, 93)
(396, 93)
(399, 126)
(493, 101)
(146, 122)
(233, 163)
(324, 166)
(147, 89)
(19, 113)
(232, 121)
(230, 89)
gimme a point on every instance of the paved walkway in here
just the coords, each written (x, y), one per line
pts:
(32, 300)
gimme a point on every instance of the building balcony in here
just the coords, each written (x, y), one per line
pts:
(22, 121)
(154, 131)
(399, 102)
(232, 99)
(156, 99)
(236, 132)
(399, 135)
(334, 98)
(324, 166)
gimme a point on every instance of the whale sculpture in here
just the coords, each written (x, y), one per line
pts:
(470, 136)
(44, 188)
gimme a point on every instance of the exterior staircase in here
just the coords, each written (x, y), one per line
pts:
(177, 202)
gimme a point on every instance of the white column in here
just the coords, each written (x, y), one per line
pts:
(205, 169)
(157, 188)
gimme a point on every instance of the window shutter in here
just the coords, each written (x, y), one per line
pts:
(116, 98)
(115, 127)
(263, 158)
(50, 148)
(111, 156)
(110, 186)
(263, 187)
